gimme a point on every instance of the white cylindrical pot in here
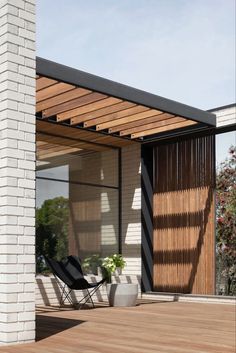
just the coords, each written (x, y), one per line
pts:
(122, 294)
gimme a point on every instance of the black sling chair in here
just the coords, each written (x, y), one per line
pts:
(69, 272)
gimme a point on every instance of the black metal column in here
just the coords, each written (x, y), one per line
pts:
(120, 200)
(147, 217)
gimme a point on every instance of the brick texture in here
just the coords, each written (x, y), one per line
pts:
(17, 171)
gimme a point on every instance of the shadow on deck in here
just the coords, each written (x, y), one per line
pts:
(47, 326)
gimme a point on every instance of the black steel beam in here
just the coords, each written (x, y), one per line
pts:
(188, 134)
(83, 79)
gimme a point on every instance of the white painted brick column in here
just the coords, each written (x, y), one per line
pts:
(17, 171)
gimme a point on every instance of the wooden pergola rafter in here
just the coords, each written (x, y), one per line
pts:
(76, 99)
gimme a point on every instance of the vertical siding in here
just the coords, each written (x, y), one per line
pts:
(184, 226)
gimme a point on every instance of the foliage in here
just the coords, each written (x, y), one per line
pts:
(111, 263)
(226, 224)
(51, 231)
(91, 263)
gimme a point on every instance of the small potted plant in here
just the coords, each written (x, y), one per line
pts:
(119, 263)
(119, 294)
(112, 265)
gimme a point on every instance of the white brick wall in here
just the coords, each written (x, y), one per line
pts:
(225, 115)
(131, 209)
(17, 171)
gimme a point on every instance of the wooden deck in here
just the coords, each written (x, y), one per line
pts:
(168, 327)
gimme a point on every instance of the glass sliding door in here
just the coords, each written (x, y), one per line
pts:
(77, 200)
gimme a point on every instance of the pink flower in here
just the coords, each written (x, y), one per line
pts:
(220, 220)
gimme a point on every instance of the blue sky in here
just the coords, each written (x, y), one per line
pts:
(180, 49)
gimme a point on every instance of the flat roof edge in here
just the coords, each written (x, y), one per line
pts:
(83, 79)
(232, 105)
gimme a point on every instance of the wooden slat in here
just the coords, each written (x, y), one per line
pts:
(162, 129)
(90, 118)
(66, 131)
(122, 128)
(127, 119)
(183, 215)
(152, 125)
(80, 145)
(116, 115)
(73, 104)
(150, 327)
(61, 98)
(50, 141)
(88, 108)
(44, 82)
(62, 141)
(53, 90)
(55, 151)
(61, 149)
(82, 107)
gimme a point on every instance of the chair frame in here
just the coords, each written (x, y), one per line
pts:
(66, 290)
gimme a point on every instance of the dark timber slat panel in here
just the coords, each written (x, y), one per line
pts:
(184, 227)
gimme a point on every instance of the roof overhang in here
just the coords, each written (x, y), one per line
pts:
(74, 98)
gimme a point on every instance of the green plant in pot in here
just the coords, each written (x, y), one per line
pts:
(112, 264)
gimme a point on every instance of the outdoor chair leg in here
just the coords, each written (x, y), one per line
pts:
(88, 297)
(67, 296)
(64, 295)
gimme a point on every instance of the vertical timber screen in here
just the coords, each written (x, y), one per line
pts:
(184, 216)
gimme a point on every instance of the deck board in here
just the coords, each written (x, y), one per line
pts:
(162, 327)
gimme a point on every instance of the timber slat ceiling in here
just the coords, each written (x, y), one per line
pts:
(90, 110)
(77, 138)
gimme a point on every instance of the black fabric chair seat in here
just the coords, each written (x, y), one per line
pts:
(70, 272)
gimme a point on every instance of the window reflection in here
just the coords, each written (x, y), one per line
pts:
(76, 200)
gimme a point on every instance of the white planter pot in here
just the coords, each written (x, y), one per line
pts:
(122, 294)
